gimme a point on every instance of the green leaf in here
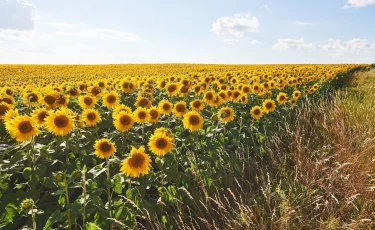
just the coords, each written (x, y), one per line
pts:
(57, 216)
(117, 184)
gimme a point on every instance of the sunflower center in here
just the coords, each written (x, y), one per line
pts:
(161, 143)
(25, 127)
(105, 147)
(87, 101)
(125, 120)
(269, 105)
(166, 107)
(42, 115)
(61, 121)
(194, 119)
(33, 97)
(101, 84)
(184, 89)
(142, 115)
(7, 100)
(136, 160)
(9, 92)
(61, 100)
(257, 111)
(171, 88)
(180, 108)
(209, 96)
(91, 116)
(197, 104)
(154, 114)
(236, 94)
(111, 99)
(125, 85)
(282, 98)
(143, 102)
(49, 99)
(95, 91)
(73, 92)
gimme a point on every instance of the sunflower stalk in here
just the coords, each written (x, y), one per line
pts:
(109, 188)
(84, 196)
(33, 217)
(67, 188)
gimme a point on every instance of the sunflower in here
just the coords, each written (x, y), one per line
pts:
(160, 144)
(4, 108)
(296, 94)
(22, 128)
(91, 117)
(87, 102)
(165, 107)
(111, 99)
(226, 114)
(49, 99)
(138, 163)
(293, 101)
(121, 108)
(62, 100)
(197, 105)
(180, 109)
(39, 115)
(165, 131)
(154, 114)
(236, 96)
(172, 89)
(128, 86)
(104, 148)
(256, 88)
(74, 91)
(7, 99)
(282, 98)
(31, 98)
(141, 115)
(60, 122)
(143, 102)
(193, 121)
(124, 121)
(10, 114)
(269, 105)
(256, 112)
(208, 97)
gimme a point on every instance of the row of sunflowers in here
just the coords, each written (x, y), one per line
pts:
(94, 139)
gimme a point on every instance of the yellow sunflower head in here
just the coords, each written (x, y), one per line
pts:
(60, 122)
(296, 94)
(282, 98)
(121, 108)
(165, 131)
(171, 89)
(141, 115)
(180, 109)
(22, 128)
(124, 121)
(165, 107)
(91, 117)
(104, 148)
(111, 99)
(193, 121)
(4, 108)
(226, 114)
(154, 114)
(269, 105)
(39, 115)
(256, 112)
(10, 114)
(87, 102)
(197, 105)
(138, 163)
(160, 144)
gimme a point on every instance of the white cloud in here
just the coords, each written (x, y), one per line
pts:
(351, 47)
(230, 41)
(16, 35)
(301, 23)
(254, 42)
(62, 24)
(237, 25)
(359, 3)
(292, 43)
(101, 33)
(17, 14)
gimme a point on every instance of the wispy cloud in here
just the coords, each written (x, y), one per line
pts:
(359, 3)
(237, 25)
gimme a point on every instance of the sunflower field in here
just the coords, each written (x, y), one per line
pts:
(129, 146)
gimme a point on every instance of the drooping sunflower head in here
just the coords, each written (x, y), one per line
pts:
(111, 99)
(180, 109)
(104, 148)
(193, 121)
(22, 128)
(138, 163)
(39, 115)
(121, 108)
(4, 108)
(141, 115)
(91, 117)
(197, 105)
(160, 144)
(165, 107)
(154, 114)
(124, 121)
(282, 98)
(226, 114)
(269, 105)
(60, 122)
(87, 102)
(256, 112)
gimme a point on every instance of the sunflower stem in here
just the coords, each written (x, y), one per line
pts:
(84, 197)
(67, 190)
(33, 217)
(109, 189)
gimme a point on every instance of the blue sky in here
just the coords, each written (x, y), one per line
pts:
(194, 31)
